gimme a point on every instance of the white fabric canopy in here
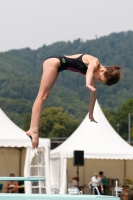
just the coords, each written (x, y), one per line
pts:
(11, 136)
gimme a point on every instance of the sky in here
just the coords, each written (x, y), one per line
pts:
(33, 23)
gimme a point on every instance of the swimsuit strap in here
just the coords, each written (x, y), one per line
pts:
(80, 57)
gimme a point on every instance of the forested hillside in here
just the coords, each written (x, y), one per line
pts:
(20, 73)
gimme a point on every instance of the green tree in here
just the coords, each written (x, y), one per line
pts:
(111, 116)
(26, 122)
(122, 117)
(131, 132)
(55, 122)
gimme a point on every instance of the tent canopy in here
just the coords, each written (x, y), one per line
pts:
(97, 140)
(12, 136)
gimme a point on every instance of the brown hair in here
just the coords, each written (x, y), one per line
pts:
(12, 174)
(112, 75)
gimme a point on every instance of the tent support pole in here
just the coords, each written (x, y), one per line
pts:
(78, 173)
(84, 173)
(20, 161)
(124, 170)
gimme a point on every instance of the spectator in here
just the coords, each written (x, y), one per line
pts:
(103, 180)
(10, 186)
(95, 182)
(74, 183)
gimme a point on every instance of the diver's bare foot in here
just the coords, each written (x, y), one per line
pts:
(34, 138)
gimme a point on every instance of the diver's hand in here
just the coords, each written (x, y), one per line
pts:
(91, 88)
(34, 138)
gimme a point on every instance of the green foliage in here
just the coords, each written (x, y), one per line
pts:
(131, 132)
(26, 122)
(120, 118)
(56, 123)
(20, 74)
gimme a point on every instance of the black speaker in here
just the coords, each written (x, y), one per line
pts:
(78, 158)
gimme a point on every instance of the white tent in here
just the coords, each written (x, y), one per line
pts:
(100, 142)
(16, 154)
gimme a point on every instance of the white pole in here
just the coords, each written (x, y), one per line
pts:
(129, 126)
(116, 188)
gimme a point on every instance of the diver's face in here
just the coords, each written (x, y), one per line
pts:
(100, 76)
(102, 79)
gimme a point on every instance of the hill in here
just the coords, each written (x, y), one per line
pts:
(20, 73)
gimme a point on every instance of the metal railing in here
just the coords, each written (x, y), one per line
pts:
(96, 190)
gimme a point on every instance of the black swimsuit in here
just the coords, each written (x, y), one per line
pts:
(73, 64)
